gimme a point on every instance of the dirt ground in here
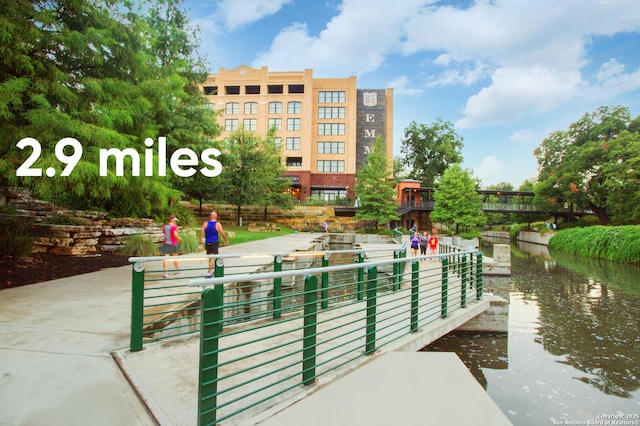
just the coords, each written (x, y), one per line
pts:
(44, 267)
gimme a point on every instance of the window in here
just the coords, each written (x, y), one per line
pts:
(331, 112)
(277, 141)
(329, 194)
(210, 90)
(231, 125)
(232, 108)
(250, 124)
(328, 166)
(294, 107)
(252, 90)
(293, 123)
(330, 147)
(274, 123)
(331, 97)
(331, 129)
(293, 143)
(294, 161)
(250, 108)
(232, 90)
(275, 89)
(275, 107)
(296, 88)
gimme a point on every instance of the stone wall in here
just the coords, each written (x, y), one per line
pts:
(93, 235)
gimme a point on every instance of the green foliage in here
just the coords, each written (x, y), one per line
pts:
(375, 189)
(108, 76)
(457, 201)
(315, 201)
(8, 209)
(617, 243)
(244, 236)
(429, 150)
(189, 243)
(594, 165)
(252, 170)
(16, 238)
(63, 219)
(141, 245)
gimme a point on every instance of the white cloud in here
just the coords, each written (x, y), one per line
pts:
(400, 86)
(515, 92)
(523, 136)
(466, 77)
(354, 42)
(236, 13)
(490, 171)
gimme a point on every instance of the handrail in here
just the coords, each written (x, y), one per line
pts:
(248, 367)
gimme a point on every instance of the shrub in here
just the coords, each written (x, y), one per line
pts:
(189, 243)
(139, 245)
(617, 243)
(63, 219)
(16, 238)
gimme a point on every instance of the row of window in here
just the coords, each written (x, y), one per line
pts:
(328, 97)
(293, 107)
(323, 147)
(293, 124)
(324, 166)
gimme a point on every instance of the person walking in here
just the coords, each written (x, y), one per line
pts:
(170, 242)
(415, 243)
(424, 241)
(433, 244)
(210, 234)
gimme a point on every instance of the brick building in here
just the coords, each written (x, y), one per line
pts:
(325, 126)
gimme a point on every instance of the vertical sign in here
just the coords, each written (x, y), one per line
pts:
(371, 121)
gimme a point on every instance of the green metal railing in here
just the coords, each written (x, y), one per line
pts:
(162, 308)
(248, 366)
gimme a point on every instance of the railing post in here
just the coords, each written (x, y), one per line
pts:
(360, 288)
(324, 297)
(372, 285)
(309, 330)
(415, 278)
(137, 306)
(445, 287)
(479, 277)
(396, 271)
(218, 272)
(463, 286)
(211, 326)
(277, 288)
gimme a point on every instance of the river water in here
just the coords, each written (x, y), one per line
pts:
(572, 353)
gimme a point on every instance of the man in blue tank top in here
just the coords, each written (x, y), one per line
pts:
(211, 232)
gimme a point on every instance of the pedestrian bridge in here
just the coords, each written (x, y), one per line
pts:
(298, 323)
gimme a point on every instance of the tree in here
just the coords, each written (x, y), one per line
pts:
(374, 189)
(591, 161)
(499, 218)
(430, 150)
(457, 200)
(89, 70)
(252, 171)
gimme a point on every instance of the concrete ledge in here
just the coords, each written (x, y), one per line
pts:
(398, 388)
(493, 320)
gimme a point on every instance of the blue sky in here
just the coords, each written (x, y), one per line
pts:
(507, 73)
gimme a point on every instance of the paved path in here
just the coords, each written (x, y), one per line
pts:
(56, 340)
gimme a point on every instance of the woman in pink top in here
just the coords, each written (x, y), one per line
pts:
(170, 242)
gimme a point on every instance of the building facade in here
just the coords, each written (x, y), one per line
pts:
(325, 126)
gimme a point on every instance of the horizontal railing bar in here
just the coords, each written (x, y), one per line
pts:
(208, 282)
(269, 255)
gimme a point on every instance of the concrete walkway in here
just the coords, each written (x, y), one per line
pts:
(56, 340)
(56, 344)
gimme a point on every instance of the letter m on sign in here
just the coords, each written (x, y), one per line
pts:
(369, 133)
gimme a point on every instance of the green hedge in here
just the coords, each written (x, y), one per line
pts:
(617, 243)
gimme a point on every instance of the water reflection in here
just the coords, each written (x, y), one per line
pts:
(573, 342)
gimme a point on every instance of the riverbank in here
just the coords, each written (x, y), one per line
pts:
(614, 243)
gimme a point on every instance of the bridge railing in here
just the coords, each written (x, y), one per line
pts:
(332, 318)
(163, 308)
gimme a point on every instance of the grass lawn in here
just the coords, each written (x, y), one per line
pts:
(244, 236)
